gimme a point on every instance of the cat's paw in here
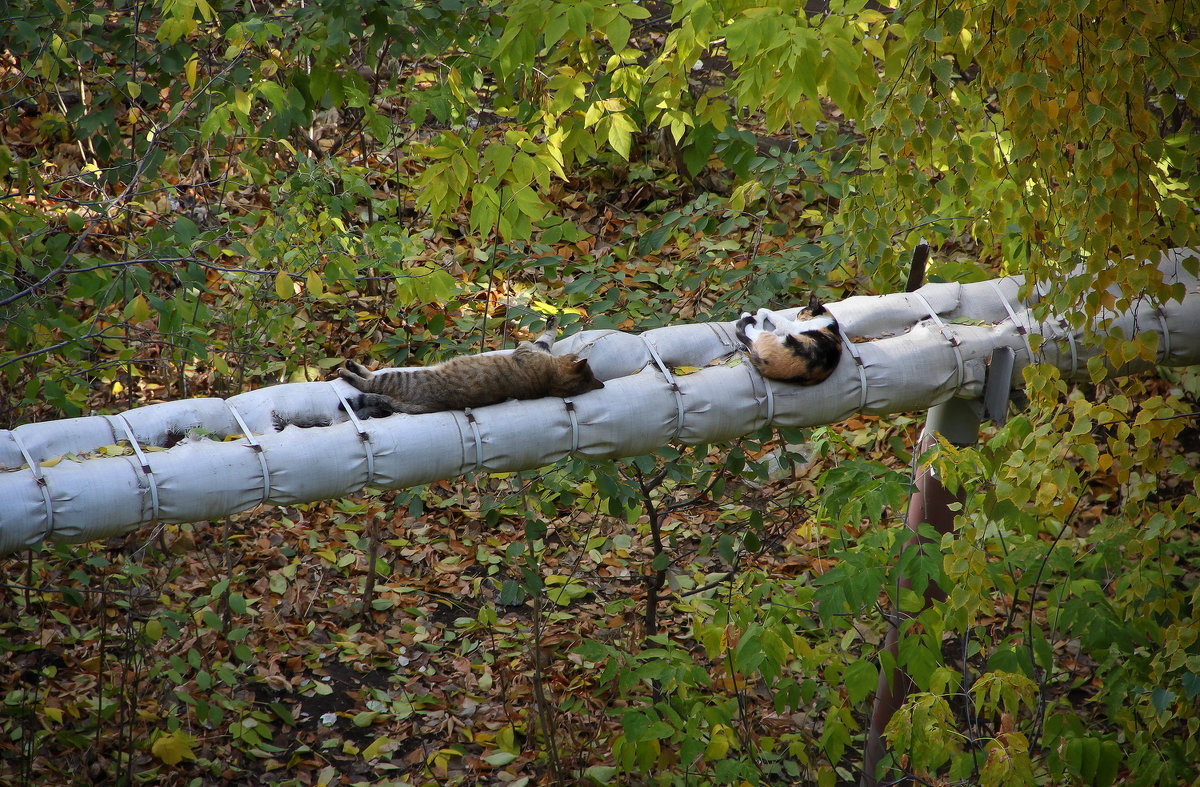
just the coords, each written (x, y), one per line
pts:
(353, 371)
(747, 328)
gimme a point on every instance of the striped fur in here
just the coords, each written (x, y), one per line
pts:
(804, 351)
(529, 372)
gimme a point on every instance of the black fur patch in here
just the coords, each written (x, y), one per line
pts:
(370, 406)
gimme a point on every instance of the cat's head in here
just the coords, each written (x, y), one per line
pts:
(574, 377)
(814, 309)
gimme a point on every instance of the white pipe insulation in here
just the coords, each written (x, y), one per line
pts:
(88, 478)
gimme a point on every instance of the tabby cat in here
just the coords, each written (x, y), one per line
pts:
(804, 351)
(529, 372)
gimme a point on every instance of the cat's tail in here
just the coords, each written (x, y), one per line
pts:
(370, 405)
(282, 421)
(375, 405)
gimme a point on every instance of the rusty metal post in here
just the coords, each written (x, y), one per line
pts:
(957, 420)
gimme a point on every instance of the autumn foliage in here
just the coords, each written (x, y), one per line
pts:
(203, 196)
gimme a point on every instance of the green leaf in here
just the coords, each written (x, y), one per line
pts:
(620, 133)
(511, 593)
(274, 94)
(499, 759)
(751, 541)
(727, 549)
(283, 712)
(617, 32)
(365, 718)
(1162, 699)
(1109, 763)
(861, 679)
(601, 774)
(237, 603)
(653, 240)
(640, 727)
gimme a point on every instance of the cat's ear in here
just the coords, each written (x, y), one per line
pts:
(814, 304)
(577, 364)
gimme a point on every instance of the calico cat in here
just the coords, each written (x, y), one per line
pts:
(529, 372)
(804, 351)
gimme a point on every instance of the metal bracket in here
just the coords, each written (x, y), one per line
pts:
(997, 385)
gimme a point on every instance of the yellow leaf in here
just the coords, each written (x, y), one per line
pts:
(173, 747)
(315, 284)
(283, 286)
(376, 748)
(138, 310)
(189, 71)
(241, 102)
(55, 714)
(619, 137)
(686, 369)
(51, 462)
(718, 745)
(153, 630)
(305, 374)
(506, 738)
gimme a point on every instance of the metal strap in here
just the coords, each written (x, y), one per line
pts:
(1069, 332)
(858, 363)
(363, 435)
(662, 366)
(570, 405)
(1021, 329)
(770, 397)
(256, 446)
(478, 439)
(1166, 334)
(949, 337)
(36, 469)
(119, 421)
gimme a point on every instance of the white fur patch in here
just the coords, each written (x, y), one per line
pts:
(767, 321)
(784, 327)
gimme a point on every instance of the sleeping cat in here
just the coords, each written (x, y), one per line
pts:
(804, 351)
(529, 372)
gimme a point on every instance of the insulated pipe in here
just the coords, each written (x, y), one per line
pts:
(196, 459)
